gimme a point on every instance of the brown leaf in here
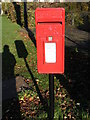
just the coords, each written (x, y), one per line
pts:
(36, 102)
(24, 104)
(24, 98)
(63, 108)
(33, 113)
(61, 86)
(30, 99)
(20, 101)
(69, 115)
(27, 113)
(56, 95)
(25, 80)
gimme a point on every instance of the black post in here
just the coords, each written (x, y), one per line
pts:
(51, 96)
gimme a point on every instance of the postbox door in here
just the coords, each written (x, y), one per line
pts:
(50, 47)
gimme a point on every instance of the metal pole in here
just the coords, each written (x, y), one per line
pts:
(51, 96)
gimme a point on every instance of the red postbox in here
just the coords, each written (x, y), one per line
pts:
(50, 32)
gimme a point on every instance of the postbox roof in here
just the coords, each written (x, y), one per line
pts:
(49, 14)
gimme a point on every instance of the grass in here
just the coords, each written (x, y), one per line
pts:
(0, 33)
(11, 33)
(31, 106)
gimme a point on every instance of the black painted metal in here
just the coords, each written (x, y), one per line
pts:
(51, 96)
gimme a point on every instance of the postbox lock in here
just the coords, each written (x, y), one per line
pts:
(50, 38)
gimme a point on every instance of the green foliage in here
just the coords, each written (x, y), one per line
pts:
(78, 19)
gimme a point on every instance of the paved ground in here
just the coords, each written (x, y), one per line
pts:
(78, 38)
(74, 38)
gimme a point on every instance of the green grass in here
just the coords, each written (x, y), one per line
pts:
(11, 33)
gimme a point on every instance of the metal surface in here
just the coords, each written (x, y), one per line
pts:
(51, 96)
(50, 28)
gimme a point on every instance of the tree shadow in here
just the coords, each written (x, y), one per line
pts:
(25, 15)
(0, 85)
(30, 33)
(18, 18)
(9, 93)
(75, 79)
(31, 36)
(18, 13)
(22, 53)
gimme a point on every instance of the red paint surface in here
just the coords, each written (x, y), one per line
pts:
(50, 22)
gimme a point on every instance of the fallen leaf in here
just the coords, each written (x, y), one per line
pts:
(36, 102)
(65, 117)
(78, 104)
(33, 113)
(21, 99)
(63, 95)
(37, 80)
(24, 104)
(63, 108)
(30, 99)
(69, 115)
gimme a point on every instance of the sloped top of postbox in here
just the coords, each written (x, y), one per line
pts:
(50, 14)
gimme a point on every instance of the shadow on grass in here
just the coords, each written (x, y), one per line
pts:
(30, 33)
(18, 18)
(22, 53)
(75, 80)
(31, 36)
(10, 102)
(18, 13)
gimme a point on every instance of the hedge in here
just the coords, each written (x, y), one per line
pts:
(15, 11)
